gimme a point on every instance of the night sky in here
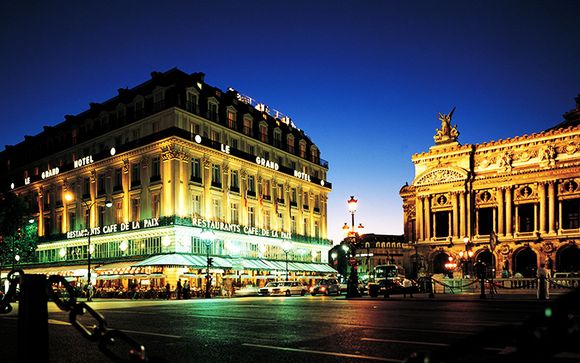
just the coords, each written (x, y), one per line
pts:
(364, 79)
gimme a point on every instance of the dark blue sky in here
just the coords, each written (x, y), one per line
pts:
(365, 79)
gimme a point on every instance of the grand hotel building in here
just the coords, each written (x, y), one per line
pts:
(175, 156)
(516, 201)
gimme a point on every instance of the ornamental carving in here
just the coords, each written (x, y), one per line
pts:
(547, 247)
(547, 155)
(525, 192)
(243, 174)
(172, 152)
(125, 166)
(571, 148)
(440, 176)
(441, 200)
(93, 176)
(504, 161)
(226, 167)
(206, 162)
(145, 160)
(505, 249)
(447, 133)
(570, 186)
(485, 197)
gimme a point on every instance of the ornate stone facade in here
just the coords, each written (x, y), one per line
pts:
(517, 200)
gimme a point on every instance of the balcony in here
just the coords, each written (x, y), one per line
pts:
(235, 189)
(252, 193)
(154, 178)
(195, 179)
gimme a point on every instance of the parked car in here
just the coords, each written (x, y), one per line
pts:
(248, 290)
(287, 288)
(325, 287)
(395, 286)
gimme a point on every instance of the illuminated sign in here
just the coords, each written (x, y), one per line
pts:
(225, 148)
(26, 182)
(47, 174)
(236, 228)
(113, 228)
(301, 175)
(267, 163)
(83, 161)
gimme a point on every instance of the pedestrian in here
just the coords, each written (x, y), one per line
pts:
(407, 287)
(543, 283)
(90, 292)
(179, 289)
(168, 290)
(186, 290)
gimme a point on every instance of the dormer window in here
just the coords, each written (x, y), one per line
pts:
(139, 107)
(248, 126)
(74, 135)
(277, 137)
(232, 119)
(158, 100)
(314, 154)
(291, 143)
(191, 103)
(263, 132)
(302, 149)
(212, 111)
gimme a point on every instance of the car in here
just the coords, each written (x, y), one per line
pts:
(248, 290)
(287, 288)
(393, 286)
(325, 287)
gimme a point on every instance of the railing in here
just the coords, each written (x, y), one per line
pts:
(455, 286)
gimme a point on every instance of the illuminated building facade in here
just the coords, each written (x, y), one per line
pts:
(515, 203)
(175, 156)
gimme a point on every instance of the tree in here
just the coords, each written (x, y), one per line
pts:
(18, 236)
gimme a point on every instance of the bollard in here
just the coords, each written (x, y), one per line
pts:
(33, 319)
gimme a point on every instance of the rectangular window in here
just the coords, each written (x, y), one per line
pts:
(570, 214)
(102, 211)
(526, 215)
(484, 221)
(119, 212)
(263, 133)
(217, 209)
(234, 181)
(232, 119)
(194, 129)
(234, 143)
(280, 222)
(135, 209)
(216, 176)
(251, 185)
(136, 134)
(215, 135)
(248, 127)
(155, 206)
(196, 206)
(442, 224)
(251, 217)
(306, 229)
(293, 221)
(305, 202)
(72, 222)
(277, 139)
(86, 188)
(139, 106)
(234, 213)
(191, 103)
(212, 112)
(101, 186)
(135, 174)
(302, 150)
(155, 169)
(155, 127)
(266, 189)
(316, 229)
(266, 219)
(118, 180)
(291, 145)
(158, 101)
(195, 170)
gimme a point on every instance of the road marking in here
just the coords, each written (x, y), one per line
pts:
(404, 342)
(408, 329)
(204, 316)
(335, 354)
(154, 334)
(421, 343)
(58, 322)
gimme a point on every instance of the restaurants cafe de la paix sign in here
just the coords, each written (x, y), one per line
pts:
(196, 222)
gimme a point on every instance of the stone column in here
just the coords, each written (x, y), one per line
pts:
(454, 196)
(559, 217)
(126, 187)
(145, 194)
(500, 212)
(427, 216)
(40, 202)
(206, 209)
(517, 226)
(508, 211)
(542, 200)
(535, 217)
(419, 221)
(468, 211)
(462, 215)
(551, 206)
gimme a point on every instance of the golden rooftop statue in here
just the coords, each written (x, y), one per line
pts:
(447, 133)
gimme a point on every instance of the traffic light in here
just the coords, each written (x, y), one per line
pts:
(210, 261)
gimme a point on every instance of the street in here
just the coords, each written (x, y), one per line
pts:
(281, 328)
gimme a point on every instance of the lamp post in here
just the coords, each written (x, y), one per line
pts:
(69, 197)
(352, 239)
(286, 246)
(466, 257)
(207, 235)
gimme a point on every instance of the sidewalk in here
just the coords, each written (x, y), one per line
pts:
(464, 297)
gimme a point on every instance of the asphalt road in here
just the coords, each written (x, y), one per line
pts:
(285, 329)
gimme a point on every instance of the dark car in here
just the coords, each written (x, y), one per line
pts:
(325, 287)
(393, 286)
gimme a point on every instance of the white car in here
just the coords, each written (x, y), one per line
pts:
(287, 288)
(248, 290)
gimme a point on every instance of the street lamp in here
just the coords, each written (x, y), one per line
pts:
(69, 197)
(287, 246)
(352, 286)
(208, 235)
(466, 257)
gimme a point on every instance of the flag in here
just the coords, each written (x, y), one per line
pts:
(260, 200)
(492, 240)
